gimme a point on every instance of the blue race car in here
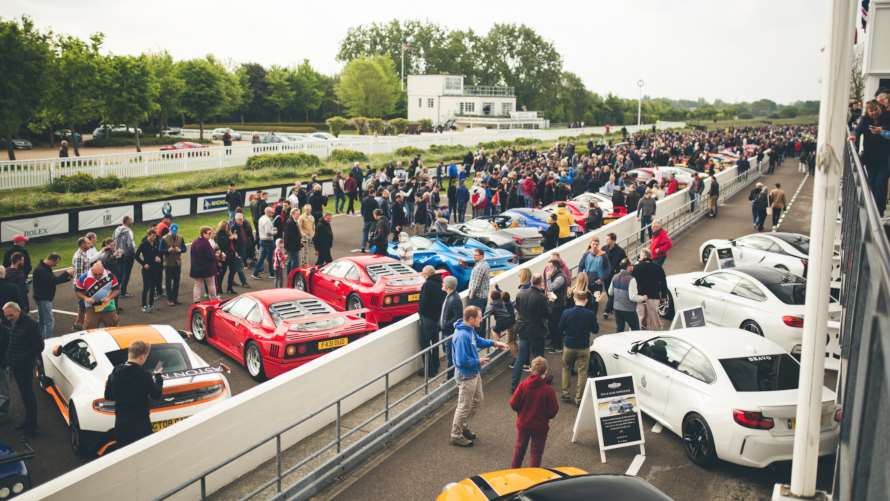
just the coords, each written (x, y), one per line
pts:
(454, 253)
(14, 475)
(532, 218)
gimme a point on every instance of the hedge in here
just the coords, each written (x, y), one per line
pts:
(408, 151)
(344, 156)
(299, 159)
(81, 182)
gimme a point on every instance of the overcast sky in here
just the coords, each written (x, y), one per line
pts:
(731, 50)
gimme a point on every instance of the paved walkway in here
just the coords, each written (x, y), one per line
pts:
(421, 464)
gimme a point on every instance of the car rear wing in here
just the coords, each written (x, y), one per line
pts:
(386, 279)
(196, 371)
(296, 324)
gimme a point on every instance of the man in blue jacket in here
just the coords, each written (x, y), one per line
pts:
(469, 383)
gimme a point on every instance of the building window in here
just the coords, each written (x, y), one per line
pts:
(430, 102)
(420, 102)
(506, 108)
(466, 108)
(453, 84)
(487, 109)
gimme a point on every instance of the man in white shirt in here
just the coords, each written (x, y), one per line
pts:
(266, 235)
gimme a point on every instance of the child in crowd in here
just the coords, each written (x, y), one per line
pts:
(405, 249)
(279, 262)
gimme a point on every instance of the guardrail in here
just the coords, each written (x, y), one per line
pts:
(864, 379)
(191, 448)
(32, 173)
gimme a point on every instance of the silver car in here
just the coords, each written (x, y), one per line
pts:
(497, 231)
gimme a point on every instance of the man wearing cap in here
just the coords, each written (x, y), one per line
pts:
(18, 245)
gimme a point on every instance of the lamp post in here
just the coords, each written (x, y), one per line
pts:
(640, 84)
(406, 45)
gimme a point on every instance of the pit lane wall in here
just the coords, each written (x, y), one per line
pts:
(173, 456)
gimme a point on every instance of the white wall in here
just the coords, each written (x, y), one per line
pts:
(166, 459)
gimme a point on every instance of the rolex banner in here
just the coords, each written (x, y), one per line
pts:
(101, 218)
(33, 227)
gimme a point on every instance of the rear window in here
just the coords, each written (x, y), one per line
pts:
(790, 289)
(300, 308)
(801, 243)
(167, 357)
(762, 372)
(375, 271)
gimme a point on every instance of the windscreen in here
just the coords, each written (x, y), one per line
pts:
(762, 372)
(167, 357)
(790, 289)
(799, 242)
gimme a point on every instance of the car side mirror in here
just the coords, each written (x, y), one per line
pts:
(635, 348)
(57, 350)
(697, 282)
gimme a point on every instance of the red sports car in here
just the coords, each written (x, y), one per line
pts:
(275, 330)
(385, 286)
(578, 212)
(604, 202)
(183, 145)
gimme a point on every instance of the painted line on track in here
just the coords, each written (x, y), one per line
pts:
(791, 203)
(61, 312)
(635, 465)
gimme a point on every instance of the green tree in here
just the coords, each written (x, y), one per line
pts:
(203, 96)
(337, 124)
(25, 58)
(129, 91)
(369, 86)
(280, 93)
(308, 89)
(170, 86)
(515, 55)
(573, 103)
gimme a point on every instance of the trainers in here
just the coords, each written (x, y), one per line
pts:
(469, 435)
(605, 316)
(565, 398)
(461, 442)
(512, 364)
(255, 277)
(526, 368)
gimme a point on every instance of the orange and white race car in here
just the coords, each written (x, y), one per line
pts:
(76, 366)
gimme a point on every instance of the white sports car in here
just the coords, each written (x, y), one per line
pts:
(76, 367)
(785, 251)
(728, 393)
(766, 301)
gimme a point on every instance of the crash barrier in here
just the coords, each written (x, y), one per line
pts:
(178, 458)
(32, 173)
(863, 458)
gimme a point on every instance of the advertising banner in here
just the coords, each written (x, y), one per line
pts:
(152, 211)
(33, 227)
(101, 218)
(689, 317)
(211, 203)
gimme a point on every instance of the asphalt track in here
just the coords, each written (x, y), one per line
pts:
(426, 459)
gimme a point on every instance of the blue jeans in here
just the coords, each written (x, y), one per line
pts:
(339, 202)
(267, 248)
(461, 211)
(46, 322)
(528, 349)
(366, 228)
(4, 392)
(293, 261)
(231, 214)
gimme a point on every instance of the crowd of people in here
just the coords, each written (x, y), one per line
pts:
(555, 311)
(871, 131)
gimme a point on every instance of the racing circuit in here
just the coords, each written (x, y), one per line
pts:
(423, 454)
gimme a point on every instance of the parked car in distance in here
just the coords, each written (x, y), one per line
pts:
(170, 132)
(454, 253)
(219, 132)
(183, 145)
(18, 144)
(112, 129)
(525, 242)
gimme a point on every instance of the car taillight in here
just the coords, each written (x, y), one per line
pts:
(752, 419)
(387, 300)
(301, 349)
(395, 299)
(792, 321)
(291, 350)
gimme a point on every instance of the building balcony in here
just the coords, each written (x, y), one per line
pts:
(488, 90)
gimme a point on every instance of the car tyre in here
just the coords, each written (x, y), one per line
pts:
(596, 367)
(752, 326)
(75, 434)
(706, 253)
(299, 282)
(199, 327)
(666, 307)
(354, 302)
(253, 361)
(698, 441)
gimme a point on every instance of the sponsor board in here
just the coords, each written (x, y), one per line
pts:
(211, 203)
(152, 211)
(101, 218)
(610, 406)
(34, 227)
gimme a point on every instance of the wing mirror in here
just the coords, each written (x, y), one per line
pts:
(634, 348)
(57, 350)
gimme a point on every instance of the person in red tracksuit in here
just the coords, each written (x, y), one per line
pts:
(535, 404)
(660, 244)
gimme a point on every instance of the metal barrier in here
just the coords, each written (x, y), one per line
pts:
(863, 458)
(675, 222)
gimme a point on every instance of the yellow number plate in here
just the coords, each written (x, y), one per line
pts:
(413, 297)
(157, 426)
(496, 272)
(536, 250)
(333, 343)
(792, 423)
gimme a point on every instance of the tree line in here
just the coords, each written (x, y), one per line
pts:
(55, 82)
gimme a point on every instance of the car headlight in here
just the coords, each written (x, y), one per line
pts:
(103, 405)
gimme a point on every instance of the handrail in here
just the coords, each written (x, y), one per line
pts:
(727, 189)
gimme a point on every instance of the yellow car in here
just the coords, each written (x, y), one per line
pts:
(550, 484)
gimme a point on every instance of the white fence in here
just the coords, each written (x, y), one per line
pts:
(32, 173)
(167, 459)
